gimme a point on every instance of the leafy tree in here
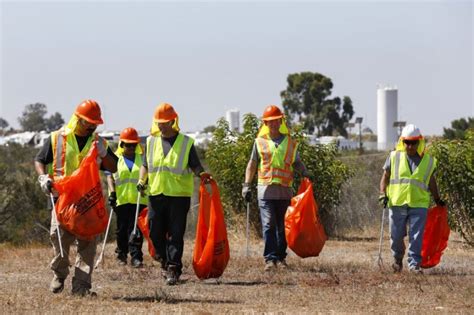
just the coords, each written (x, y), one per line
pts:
(307, 100)
(229, 153)
(3, 123)
(54, 122)
(210, 128)
(458, 128)
(32, 118)
(455, 176)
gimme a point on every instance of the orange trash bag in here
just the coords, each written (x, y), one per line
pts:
(435, 237)
(142, 223)
(211, 248)
(80, 208)
(303, 229)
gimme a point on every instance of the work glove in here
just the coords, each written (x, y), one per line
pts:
(46, 183)
(305, 174)
(101, 149)
(246, 193)
(141, 187)
(205, 177)
(113, 199)
(440, 202)
(383, 200)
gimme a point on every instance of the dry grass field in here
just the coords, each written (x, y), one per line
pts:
(344, 279)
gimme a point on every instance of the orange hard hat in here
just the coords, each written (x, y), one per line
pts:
(129, 135)
(272, 112)
(89, 110)
(164, 113)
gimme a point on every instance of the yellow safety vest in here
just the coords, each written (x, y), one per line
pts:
(406, 188)
(66, 154)
(170, 175)
(126, 181)
(276, 162)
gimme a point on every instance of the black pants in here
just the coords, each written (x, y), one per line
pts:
(125, 224)
(167, 222)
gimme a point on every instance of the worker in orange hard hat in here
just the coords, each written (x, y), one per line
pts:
(60, 156)
(123, 197)
(275, 155)
(405, 187)
(170, 160)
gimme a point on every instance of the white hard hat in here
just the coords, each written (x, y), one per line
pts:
(411, 132)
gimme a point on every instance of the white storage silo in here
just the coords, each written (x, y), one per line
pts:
(387, 113)
(233, 118)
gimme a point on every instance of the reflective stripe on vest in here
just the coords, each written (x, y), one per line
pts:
(406, 187)
(126, 181)
(276, 162)
(170, 175)
(66, 154)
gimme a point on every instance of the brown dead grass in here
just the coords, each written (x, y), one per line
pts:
(344, 279)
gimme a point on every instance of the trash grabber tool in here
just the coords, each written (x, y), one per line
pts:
(134, 232)
(101, 256)
(57, 224)
(379, 259)
(248, 230)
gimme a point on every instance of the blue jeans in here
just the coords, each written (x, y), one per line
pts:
(416, 219)
(272, 214)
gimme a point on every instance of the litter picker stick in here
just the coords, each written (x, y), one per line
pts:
(379, 260)
(101, 256)
(247, 232)
(57, 225)
(134, 233)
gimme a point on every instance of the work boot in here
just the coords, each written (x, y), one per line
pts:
(282, 264)
(122, 261)
(136, 263)
(416, 270)
(57, 285)
(397, 265)
(172, 276)
(82, 292)
(270, 265)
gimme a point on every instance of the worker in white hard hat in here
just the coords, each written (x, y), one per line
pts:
(405, 187)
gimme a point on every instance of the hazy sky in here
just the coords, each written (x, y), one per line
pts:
(208, 57)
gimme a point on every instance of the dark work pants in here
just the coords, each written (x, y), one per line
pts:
(272, 214)
(125, 224)
(167, 222)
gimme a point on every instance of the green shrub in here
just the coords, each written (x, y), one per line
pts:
(455, 177)
(22, 203)
(229, 153)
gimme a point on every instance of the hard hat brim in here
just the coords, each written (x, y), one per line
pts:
(92, 121)
(162, 120)
(412, 138)
(130, 141)
(272, 118)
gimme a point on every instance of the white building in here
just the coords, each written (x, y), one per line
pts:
(387, 113)
(233, 118)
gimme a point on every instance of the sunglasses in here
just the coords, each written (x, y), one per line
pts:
(130, 145)
(410, 142)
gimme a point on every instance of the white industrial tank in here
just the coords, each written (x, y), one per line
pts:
(387, 113)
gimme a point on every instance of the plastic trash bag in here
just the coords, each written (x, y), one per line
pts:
(303, 229)
(80, 208)
(142, 223)
(211, 249)
(435, 236)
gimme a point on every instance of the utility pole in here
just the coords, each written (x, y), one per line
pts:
(359, 121)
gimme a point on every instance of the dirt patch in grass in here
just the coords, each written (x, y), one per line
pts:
(344, 279)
